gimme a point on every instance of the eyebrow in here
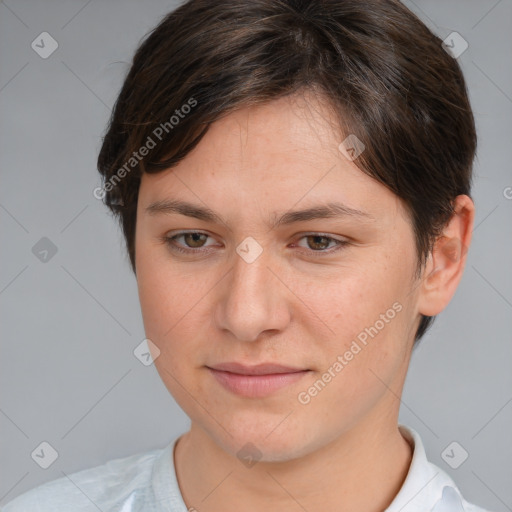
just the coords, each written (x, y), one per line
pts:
(324, 211)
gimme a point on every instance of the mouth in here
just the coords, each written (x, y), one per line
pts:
(259, 369)
(256, 381)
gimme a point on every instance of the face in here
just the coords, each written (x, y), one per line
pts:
(332, 296)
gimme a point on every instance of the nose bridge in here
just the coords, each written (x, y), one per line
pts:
(252, 299)
(250, 277)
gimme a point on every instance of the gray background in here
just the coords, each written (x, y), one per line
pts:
(68, 374)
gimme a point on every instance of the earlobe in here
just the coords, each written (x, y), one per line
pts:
(446, 262)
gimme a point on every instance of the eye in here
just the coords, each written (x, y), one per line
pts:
(194, 241)
(319, 242)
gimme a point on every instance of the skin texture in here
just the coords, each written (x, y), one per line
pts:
(342, 450)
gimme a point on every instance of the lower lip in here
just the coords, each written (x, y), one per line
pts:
(256, 386)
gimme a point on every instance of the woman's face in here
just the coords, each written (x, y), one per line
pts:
(331, 296)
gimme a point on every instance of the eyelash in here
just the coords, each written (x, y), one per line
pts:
(169, 241)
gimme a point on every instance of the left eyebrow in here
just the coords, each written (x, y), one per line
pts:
(329, 210)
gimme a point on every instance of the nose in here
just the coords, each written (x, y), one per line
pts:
(252, 300)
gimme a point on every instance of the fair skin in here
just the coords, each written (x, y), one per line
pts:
(342, 451)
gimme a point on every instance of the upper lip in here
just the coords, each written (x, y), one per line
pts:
(259, 369)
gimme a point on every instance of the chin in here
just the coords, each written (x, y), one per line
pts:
(264, 440)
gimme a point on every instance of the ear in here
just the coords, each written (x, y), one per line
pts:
(446, 262)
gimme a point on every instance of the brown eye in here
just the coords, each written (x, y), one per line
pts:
(318, 242)
(194, 240)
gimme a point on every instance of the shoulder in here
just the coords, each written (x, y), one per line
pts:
(93, 489)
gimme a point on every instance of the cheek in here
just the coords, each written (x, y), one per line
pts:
(354, 299)
(174, 313)
(365, 321)
(160, 302)
(363, 357)
(169, 318)
(166, 292)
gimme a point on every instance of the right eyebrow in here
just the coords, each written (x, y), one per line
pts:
(170, 206)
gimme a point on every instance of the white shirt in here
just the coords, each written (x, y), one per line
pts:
(146, 482)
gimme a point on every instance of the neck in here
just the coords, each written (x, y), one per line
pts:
(361, 470)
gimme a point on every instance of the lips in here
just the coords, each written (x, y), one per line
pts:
(256, 381)
(259, 369)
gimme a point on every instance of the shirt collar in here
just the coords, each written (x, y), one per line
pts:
(426, 487)
(165, 483)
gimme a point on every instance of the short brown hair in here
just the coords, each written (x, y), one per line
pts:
(385, 74)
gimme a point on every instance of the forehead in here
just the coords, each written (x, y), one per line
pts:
(300, 125)
(282, 153)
